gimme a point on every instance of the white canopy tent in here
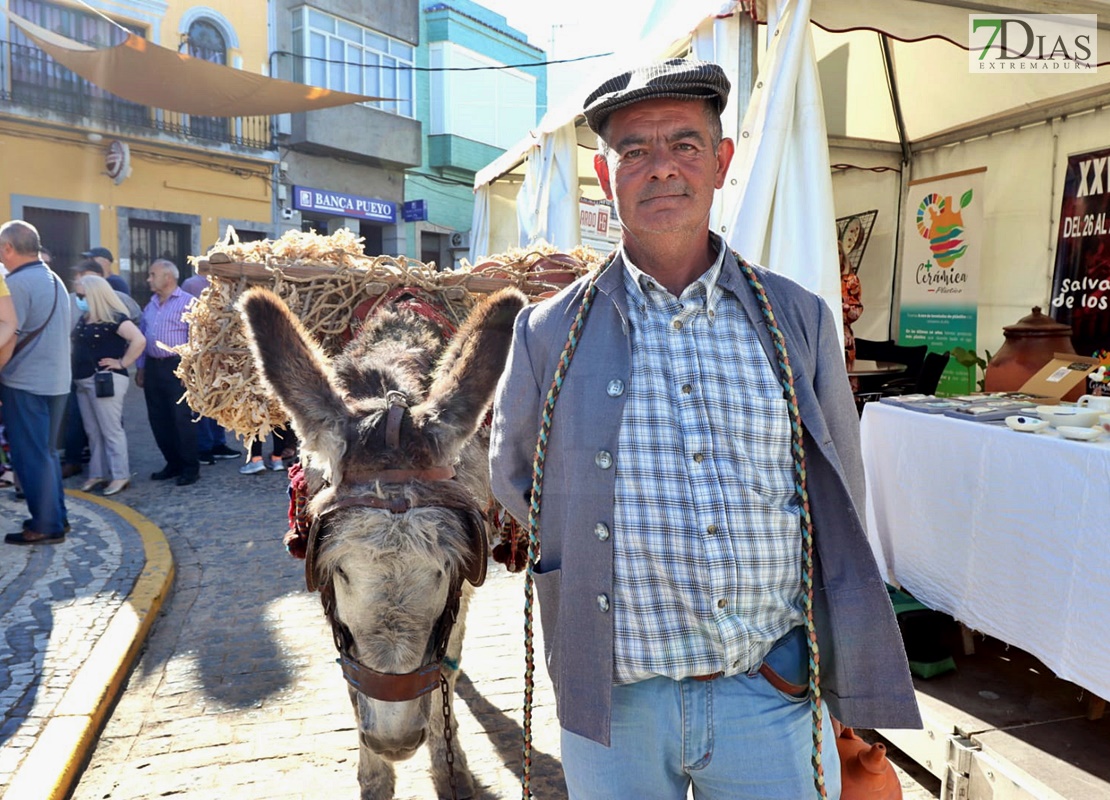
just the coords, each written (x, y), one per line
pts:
(844, 111)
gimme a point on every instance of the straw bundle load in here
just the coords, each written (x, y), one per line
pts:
(331, 286)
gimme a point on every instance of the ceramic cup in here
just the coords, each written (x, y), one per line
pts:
(1100, 403)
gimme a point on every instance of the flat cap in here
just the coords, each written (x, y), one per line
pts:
(680, 78)
(99, 252)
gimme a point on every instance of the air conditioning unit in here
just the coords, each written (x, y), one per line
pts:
(460, 240)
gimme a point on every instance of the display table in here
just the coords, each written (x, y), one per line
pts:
(863, 368)
(1007, 532)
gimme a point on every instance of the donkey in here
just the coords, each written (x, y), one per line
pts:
(388, 433)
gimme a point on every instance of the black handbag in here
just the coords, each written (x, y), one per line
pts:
(104, 384)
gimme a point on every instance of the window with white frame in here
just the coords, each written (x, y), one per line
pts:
(495, 105)
(340, 55)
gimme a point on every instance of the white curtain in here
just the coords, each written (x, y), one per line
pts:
(547, 206)
(781, 213)
(480, 224)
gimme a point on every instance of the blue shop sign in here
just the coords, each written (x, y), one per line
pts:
(344, 205)
(416, 210)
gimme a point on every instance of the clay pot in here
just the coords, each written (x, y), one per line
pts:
(1030, 344)
(865, 773)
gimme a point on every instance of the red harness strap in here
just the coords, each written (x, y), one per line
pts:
(296, 538)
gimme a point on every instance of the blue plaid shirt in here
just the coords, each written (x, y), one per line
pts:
(707, 540)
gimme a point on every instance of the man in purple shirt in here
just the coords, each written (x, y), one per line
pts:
(164, 327)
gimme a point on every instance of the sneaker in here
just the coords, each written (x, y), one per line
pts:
(206, 458)
(222, 452)
(253, 467)
(276, 464)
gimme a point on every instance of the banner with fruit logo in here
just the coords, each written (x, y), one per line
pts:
(942, 245)
(1081, 281)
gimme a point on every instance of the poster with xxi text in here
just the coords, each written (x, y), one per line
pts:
(1081, 280)
(942, 246)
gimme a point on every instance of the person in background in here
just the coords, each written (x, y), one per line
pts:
(671, 577)
(163, 323)
(851, 306)
(281, 457)
(35, 381)
(9, 323)
(75, 444)
(103, 256)
(104, 339)
(211, 438)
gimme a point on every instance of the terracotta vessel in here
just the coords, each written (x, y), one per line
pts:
(865, 773)
(1030, 344)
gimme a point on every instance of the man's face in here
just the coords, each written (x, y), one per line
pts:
(662, 168)
(156, 279)
(7, 253)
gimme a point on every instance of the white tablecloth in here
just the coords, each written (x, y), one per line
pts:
(1007, 532)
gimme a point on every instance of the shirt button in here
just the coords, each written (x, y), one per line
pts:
(615, 388)
(698, 458)
(602, 603)
(602, 531)
(687, 388)
(604, 459)
(677, 324)
(722, 603)
(711, 530)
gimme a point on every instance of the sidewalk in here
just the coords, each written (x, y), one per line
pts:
(74, 617)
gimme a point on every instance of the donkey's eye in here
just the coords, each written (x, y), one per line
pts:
(341, 574)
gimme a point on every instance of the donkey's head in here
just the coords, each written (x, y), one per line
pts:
(386, 424)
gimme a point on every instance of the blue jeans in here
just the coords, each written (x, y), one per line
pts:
(734, 738)
(32, 422)
(209, 434)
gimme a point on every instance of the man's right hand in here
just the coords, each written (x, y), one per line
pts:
(139, 377)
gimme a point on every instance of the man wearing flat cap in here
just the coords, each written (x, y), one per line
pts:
(675, 542)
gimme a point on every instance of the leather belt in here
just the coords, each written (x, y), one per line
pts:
(769, 675)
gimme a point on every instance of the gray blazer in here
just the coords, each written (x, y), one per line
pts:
(864, 674)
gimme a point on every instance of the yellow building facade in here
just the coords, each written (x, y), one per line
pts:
(90, 169)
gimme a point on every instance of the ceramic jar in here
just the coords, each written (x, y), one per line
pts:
(1030, 344)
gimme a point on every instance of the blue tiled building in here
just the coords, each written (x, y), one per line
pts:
(480, 86)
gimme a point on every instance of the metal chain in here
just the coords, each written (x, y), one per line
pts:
(448, 735)
(786, 376)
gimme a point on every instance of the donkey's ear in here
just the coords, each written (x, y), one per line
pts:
(467, 374)
(296, 372)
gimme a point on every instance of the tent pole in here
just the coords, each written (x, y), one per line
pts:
(895, 102)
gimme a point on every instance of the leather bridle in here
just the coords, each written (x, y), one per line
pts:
(368, 489)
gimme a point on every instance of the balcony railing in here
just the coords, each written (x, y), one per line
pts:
(29, 77)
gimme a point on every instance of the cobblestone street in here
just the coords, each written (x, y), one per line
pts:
(237, 693)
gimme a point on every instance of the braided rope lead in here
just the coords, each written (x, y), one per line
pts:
(787, 377)
(534, 518)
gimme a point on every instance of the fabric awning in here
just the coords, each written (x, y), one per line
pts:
(143, 72)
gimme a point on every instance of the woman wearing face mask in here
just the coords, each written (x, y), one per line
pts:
(104, 339)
